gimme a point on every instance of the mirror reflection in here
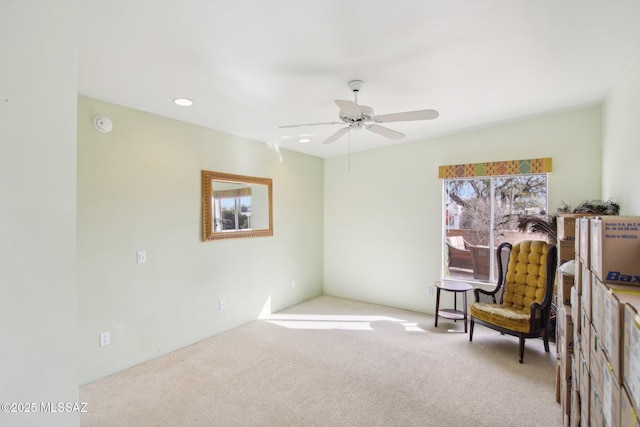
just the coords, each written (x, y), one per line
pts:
(235, 206)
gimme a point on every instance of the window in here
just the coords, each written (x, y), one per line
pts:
(235, 213)
(480, 212)
(232, 207)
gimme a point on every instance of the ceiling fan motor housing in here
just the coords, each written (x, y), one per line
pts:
(366, 115)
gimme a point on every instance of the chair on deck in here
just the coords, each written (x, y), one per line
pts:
(524, 307)
(459, 255)
(480, 261)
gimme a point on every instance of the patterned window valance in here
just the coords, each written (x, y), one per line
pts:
(233, 193)
(507, 167)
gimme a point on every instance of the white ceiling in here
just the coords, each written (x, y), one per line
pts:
(253, 65)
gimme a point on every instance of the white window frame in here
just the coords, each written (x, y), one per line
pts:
(492, 225)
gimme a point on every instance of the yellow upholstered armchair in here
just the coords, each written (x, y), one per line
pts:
(527, 286)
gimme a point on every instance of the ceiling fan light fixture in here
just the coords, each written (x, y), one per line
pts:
(183, 102)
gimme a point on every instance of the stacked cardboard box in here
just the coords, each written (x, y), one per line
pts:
(568, 320)
(569, 338)
(604, 305)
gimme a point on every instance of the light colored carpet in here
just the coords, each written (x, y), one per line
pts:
(336, 362)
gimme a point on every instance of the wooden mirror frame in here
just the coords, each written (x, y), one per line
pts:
(208, 233)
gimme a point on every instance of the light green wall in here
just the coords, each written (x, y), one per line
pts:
(139, 189)
(383, 219)
(38, 323)
(621, 145)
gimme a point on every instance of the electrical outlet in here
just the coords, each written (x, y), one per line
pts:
(430, 291)
(223, 304)
(142, 257)
(105, 338)
(293, 284)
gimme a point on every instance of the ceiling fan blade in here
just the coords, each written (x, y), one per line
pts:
(386, 132)
(310, 124)
(336, 136)
(348, 108)
(407, 116)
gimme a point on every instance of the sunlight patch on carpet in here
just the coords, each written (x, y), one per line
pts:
(343, 322)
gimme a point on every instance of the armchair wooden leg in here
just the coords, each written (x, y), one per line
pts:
(545, 339)
(471, 323)
(521, 348)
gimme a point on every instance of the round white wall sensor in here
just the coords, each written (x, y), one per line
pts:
(103, 124)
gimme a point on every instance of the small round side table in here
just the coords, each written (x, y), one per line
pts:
(448, 313)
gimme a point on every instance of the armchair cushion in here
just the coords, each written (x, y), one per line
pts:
(505, 317)
(457, 242)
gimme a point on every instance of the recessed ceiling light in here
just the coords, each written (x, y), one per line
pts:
(183, 102)
(304, 140)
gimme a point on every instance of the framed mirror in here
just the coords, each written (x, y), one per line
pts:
(235, 206)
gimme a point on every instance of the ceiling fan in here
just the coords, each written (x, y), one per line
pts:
(357, 117)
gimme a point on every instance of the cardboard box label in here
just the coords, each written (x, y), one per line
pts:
(615, 249)
(606, 398)
(584, 241)
(634, 362)
(586, 291)
(618, 276)
(610, 336)
(619, 230)
(597, 305)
